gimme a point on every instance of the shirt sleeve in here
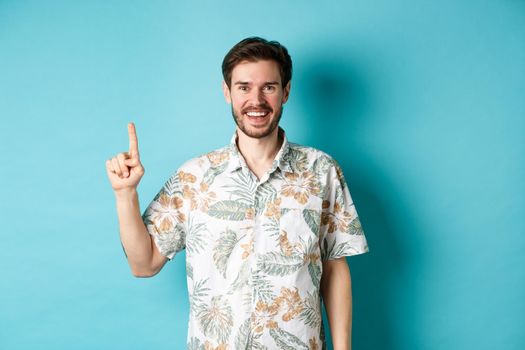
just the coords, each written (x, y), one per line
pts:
(165, 219)
(341, 232)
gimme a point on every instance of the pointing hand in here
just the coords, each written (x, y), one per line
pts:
(124, 169)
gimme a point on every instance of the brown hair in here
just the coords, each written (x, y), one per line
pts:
(253, 49)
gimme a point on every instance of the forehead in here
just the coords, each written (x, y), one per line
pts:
(257, 71)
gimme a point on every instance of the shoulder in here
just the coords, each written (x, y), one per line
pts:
(200, 164)
(311, 158)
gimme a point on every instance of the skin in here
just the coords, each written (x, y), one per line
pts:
(255, 87)
(336, 290)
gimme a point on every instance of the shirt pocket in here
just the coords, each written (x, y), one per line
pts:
(299, 242)
(299, 228)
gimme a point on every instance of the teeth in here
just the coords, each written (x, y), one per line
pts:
(256, 114)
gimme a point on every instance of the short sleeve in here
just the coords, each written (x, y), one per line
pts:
(341, 232)
(165, 219)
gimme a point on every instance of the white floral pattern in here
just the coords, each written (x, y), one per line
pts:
(255, 247)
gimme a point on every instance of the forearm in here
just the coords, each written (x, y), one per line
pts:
(133, 234)
(336, 289)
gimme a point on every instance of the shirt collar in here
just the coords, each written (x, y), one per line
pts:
(281, 160)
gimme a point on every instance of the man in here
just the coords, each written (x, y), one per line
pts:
(266, 223)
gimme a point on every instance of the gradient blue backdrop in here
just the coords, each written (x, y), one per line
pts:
(421, 102)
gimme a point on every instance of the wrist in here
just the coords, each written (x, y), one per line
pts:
(125, 193)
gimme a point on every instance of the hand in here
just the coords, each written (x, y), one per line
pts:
(125, 170)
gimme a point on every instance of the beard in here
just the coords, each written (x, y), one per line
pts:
(258, 134)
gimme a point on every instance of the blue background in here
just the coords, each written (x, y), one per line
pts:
(421, 102)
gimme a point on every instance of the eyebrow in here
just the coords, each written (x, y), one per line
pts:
(247, 83)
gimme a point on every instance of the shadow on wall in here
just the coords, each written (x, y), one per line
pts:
(337, 101)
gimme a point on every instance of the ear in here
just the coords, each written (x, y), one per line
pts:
(286, 92)
(226, 91)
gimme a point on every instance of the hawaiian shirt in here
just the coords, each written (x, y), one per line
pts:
(255, 247)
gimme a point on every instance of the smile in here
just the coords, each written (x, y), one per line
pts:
(257, 114)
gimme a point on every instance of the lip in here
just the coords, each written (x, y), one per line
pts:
(258, 120)
(257, 110)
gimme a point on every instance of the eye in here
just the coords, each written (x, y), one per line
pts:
(243, 88)
(269, 88)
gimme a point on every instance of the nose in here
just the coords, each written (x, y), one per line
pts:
(258, 96)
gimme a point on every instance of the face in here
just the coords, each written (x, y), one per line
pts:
(256, 97)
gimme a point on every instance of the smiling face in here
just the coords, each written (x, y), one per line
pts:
(256, 97)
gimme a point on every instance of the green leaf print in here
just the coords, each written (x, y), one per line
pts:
(315, 273)
(262, 287)
(313, 219)
(216, 320)
(195, 344)
(321, 165)
(196, 237)
(271, 228)
(311, 314)
(228, 210)
(276, 264)
(339, 197)
(244, 336)
(223, 250)
(355, 227)
(189, 269)
(286, 340)
(212, 173)
(298, 158)
(172, 186)
(309, 249)
(339, 250)
(198, 294)
(246, 339)
(243, 187)
(242, 277)
(285, 210)
(265, 194)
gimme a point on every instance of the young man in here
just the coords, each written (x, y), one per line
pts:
(266, 223)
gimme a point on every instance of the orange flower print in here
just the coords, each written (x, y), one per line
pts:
(337, 219)
(291, 301)
(209, 346)
(216, 158)
(199, 199)
(300, 186)
(165, 210)
(263, 316)
(248, 248)
(313, 344)
(249, 214)
(186, 177)
(273, 209)
(311, 258)
(285, 245)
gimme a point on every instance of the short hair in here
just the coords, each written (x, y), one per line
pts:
(253, 49)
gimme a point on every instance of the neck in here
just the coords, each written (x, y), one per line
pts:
(259, 151)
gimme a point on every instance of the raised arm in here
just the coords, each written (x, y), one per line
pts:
(125, 171)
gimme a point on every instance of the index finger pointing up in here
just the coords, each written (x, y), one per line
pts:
(133, 142)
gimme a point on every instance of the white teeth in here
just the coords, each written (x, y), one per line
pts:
(256, 114)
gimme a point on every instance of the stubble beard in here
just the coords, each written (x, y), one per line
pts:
(257, 134)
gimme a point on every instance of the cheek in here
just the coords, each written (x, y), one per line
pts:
(276, 101)
(238, 103)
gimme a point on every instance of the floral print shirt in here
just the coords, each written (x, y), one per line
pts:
(255, 247)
